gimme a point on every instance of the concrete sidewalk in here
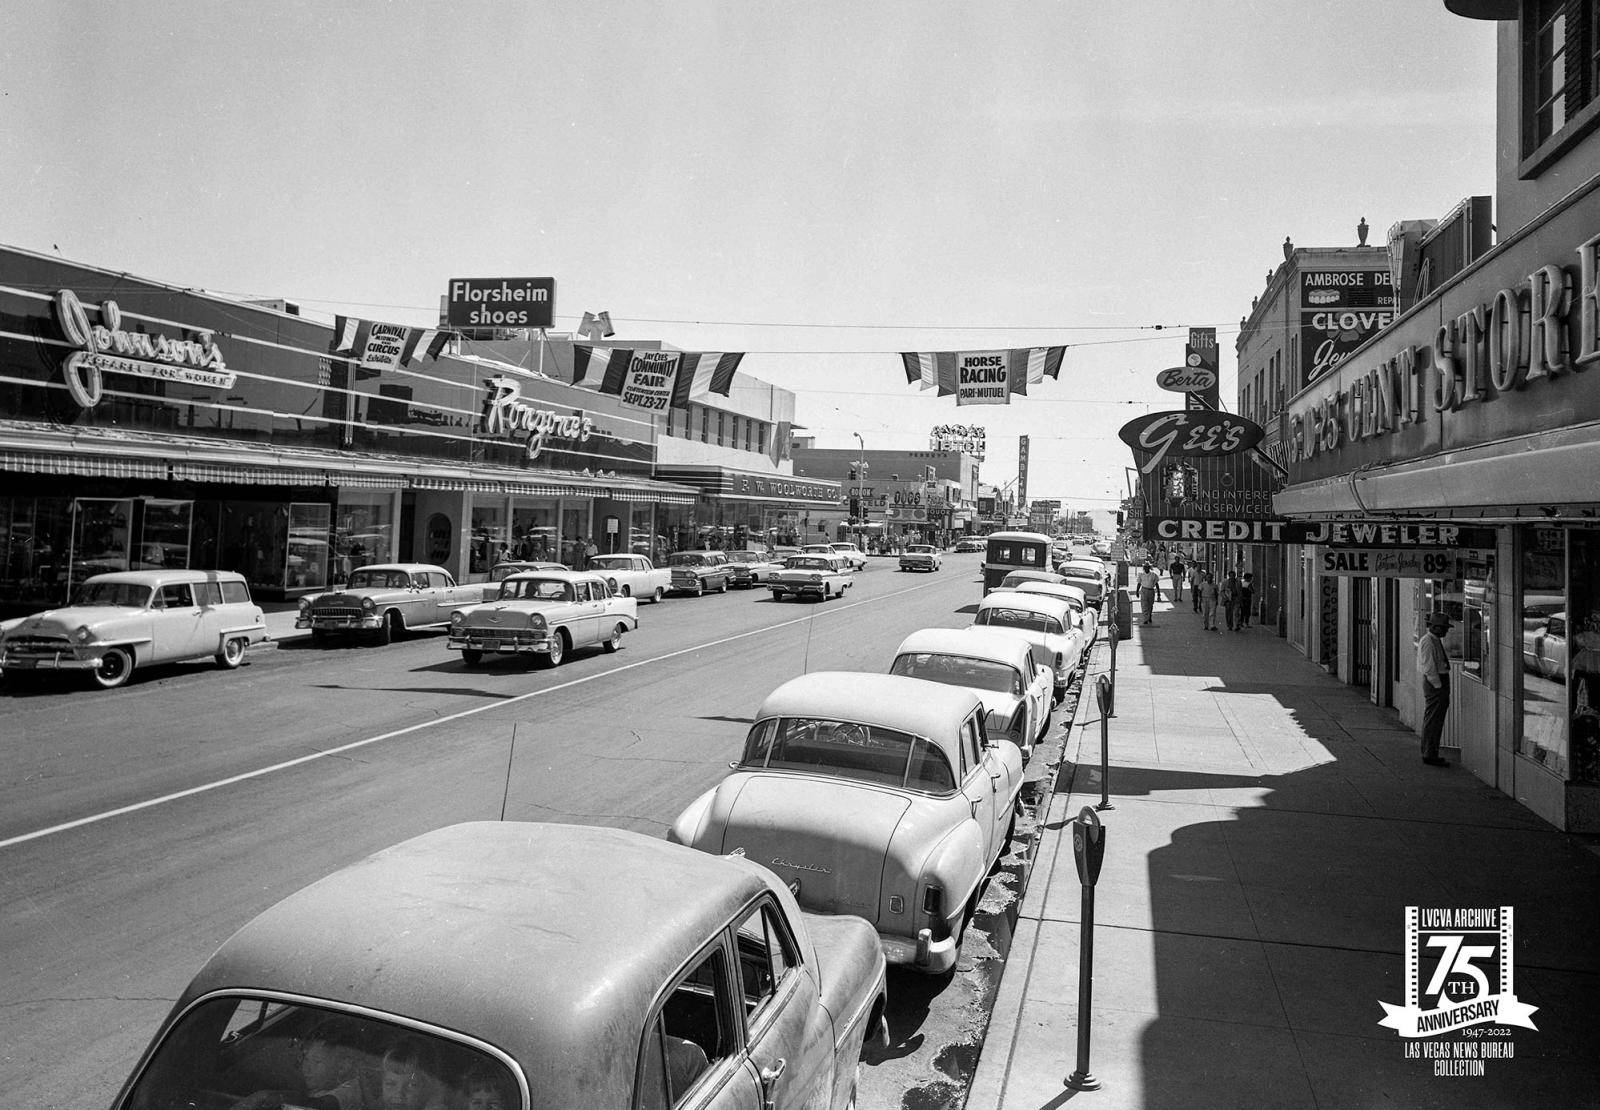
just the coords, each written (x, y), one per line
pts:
(1270, 828)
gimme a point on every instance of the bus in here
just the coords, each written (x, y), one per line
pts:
(1005, 552)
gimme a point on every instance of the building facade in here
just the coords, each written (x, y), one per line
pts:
(902, 496)
(1455, 455)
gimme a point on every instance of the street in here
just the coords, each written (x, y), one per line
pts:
(141, 827)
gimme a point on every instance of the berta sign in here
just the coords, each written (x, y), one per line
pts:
(105, 348)
(1187, 379)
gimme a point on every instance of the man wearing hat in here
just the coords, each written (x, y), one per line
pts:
(1433, 665)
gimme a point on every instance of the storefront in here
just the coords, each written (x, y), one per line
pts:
(735, 507)
(1478, 408)
(143, 425)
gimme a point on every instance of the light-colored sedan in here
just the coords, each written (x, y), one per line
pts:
(997, 665)
(853, 555)
(546, 614)
(1074, 596)
(129, 619)
(871, 794)
(386, 601)
(921, 556)
(1018, 577)
(1049, 624)
(633, 576)
(695, 572)
(521, 965)
(752, 568)
(803, 576)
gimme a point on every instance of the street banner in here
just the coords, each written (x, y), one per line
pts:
(376, 346)
(653, 379)
(982, 377)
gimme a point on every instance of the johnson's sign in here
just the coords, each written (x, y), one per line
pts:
(105, 348)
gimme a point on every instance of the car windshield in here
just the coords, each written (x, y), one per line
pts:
(959, 670)
(819, 550)
(919, 549)
(843, 546)
(806, 562)
(1001, 617)
(611, 562)
(379, 580)
(865, 753)
(227, 1049)
(124, 595)
(746, 557)
(687, 559)
(536, 589)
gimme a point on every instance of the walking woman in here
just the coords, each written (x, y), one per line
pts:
(1206, 590)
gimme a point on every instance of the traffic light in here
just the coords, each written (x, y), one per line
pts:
(853, 477)
(855, 508)
(1119, 520)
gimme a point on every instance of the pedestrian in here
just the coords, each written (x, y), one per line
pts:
(1177, 570)
(1433, 667)
(1194, 585)
(1149, 582)
(589, 552)
(1206, 591)
(1247, 597)
(1228, 598)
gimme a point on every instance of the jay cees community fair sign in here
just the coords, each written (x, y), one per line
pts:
(106, 348)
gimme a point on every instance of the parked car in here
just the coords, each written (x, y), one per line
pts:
(536, 965)
(501, 571)
(546, 614)
(872, 794)
(1089, 576)
(826, 551)
(921, 556)
(386, 600)
(996, 665)
(1017, 577)
(968, 545)
(1544, 646)
(853, 555)
(751, 568)
(803, 576)
(633, 576)
(695, 572)
(1088, 619)
(1048, 623)
(127, 619)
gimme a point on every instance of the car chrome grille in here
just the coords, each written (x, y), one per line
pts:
(38, 645)
(343, 612)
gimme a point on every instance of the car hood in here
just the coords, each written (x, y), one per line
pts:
(831, 834)
(353, 597)
(68, 620)
(507, 612)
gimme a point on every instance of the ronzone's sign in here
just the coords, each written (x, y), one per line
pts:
(528, 302)
(506, 413)
(105, 348)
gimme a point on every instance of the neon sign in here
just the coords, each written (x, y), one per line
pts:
(506, 413)
(105, 348)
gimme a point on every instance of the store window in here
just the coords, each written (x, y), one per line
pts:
(721, 416)
(363, 531)
(490, 539)
(1583, 628)
(307, 563)
(705, 424)
(761, 439)
(101, 534)
(1543, 738)
(34, 536)
(640, 518)
(574, 535)
(164, 535)
(1561, 47)
(533, 531)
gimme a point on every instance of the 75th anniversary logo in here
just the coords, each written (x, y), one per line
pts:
(1459, 981)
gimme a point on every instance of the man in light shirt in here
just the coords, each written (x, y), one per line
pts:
(1433, 667)
(1149, 583)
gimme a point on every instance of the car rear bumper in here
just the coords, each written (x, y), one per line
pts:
(921, 952)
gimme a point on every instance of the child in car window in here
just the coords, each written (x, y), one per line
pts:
(485, 1090)
(327, 1057)
(411, 1076)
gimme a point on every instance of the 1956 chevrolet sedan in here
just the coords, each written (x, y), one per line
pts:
(870, 794)
(385, 601)
(545, 614)
(522, 966)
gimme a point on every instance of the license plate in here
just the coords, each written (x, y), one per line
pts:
(491, 645)
(22, 664)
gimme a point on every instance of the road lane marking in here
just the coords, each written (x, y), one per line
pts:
(261, 772)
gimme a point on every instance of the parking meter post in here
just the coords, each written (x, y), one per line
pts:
(1103, 692)
(1088, 851)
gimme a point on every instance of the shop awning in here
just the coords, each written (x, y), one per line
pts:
(83, 465)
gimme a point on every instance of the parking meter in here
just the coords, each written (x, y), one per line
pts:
(1088, 845)
(1102, 695)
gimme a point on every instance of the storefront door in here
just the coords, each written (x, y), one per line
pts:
(101, 538)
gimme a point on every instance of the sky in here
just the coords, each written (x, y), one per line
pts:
(819, 185)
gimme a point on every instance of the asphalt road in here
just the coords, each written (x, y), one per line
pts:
(140, 827)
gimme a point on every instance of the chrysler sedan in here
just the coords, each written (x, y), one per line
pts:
(1049, 624)
(870, 794)
(545, 614)
(695, 572)
(520, 966)
(633, 576)
(998, 666)
(386, 601)
(129, 619)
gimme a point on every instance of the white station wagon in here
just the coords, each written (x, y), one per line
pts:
(129, 619)
(874, 795)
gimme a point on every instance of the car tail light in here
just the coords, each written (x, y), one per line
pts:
(933, 906)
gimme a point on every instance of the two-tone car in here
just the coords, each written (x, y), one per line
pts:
(1087, 574)
(873, 795)
(521, 965)
(752, 568)
(697, 572)
(853, 556)
(998, 666)
(1088, 619)
(921, 556)
(814, 576)
(633, 576)
(385, 601)
(127, 619)
(545, 615)
(1049, 624)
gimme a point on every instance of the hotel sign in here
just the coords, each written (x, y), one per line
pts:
(106, 348)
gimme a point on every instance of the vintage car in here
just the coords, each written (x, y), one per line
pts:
(968, 545)
(1050, 624)
(1017, 577)
(826, 550)
(921, 556)
(1089, 575)
(387, 600)
(803, 576)
(871, 794)
(1544, 646)
(1088, 619)
(546, 614)
(695, 572)
(751, 568)
(520, 965)
(129, 619)
(853, 555)
(633, 576)
(995, 664)
(501, 571)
